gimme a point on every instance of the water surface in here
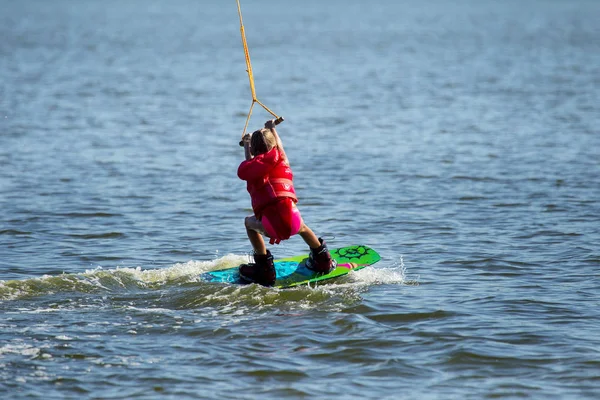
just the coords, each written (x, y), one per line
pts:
(460, 140)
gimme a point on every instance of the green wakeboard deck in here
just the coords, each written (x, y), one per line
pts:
(293, 272)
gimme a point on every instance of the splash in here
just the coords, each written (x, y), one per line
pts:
(395, 274)
(125, 279)
(110, 280)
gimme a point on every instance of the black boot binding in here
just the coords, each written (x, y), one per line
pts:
(319, 259)
(261, 271)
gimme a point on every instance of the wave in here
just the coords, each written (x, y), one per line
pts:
(110, 280)
(186, 289)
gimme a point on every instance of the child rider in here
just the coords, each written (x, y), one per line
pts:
(269, 181)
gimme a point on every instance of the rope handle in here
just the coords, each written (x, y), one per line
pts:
(251, 78)
(275, 122)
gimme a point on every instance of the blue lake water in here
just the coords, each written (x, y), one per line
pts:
(459, 139)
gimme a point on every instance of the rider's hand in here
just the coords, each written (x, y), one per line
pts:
(270, 124)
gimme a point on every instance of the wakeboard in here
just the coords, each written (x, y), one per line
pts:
(293, 272)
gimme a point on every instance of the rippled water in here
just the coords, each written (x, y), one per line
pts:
(460, 139)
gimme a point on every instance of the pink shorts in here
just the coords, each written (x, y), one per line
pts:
(281, 220)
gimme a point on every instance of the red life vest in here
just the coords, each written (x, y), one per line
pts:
(268, 179)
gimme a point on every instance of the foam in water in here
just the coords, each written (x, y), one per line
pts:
(111, 280)
(396, 274)
(18, 347)
(100, 279)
